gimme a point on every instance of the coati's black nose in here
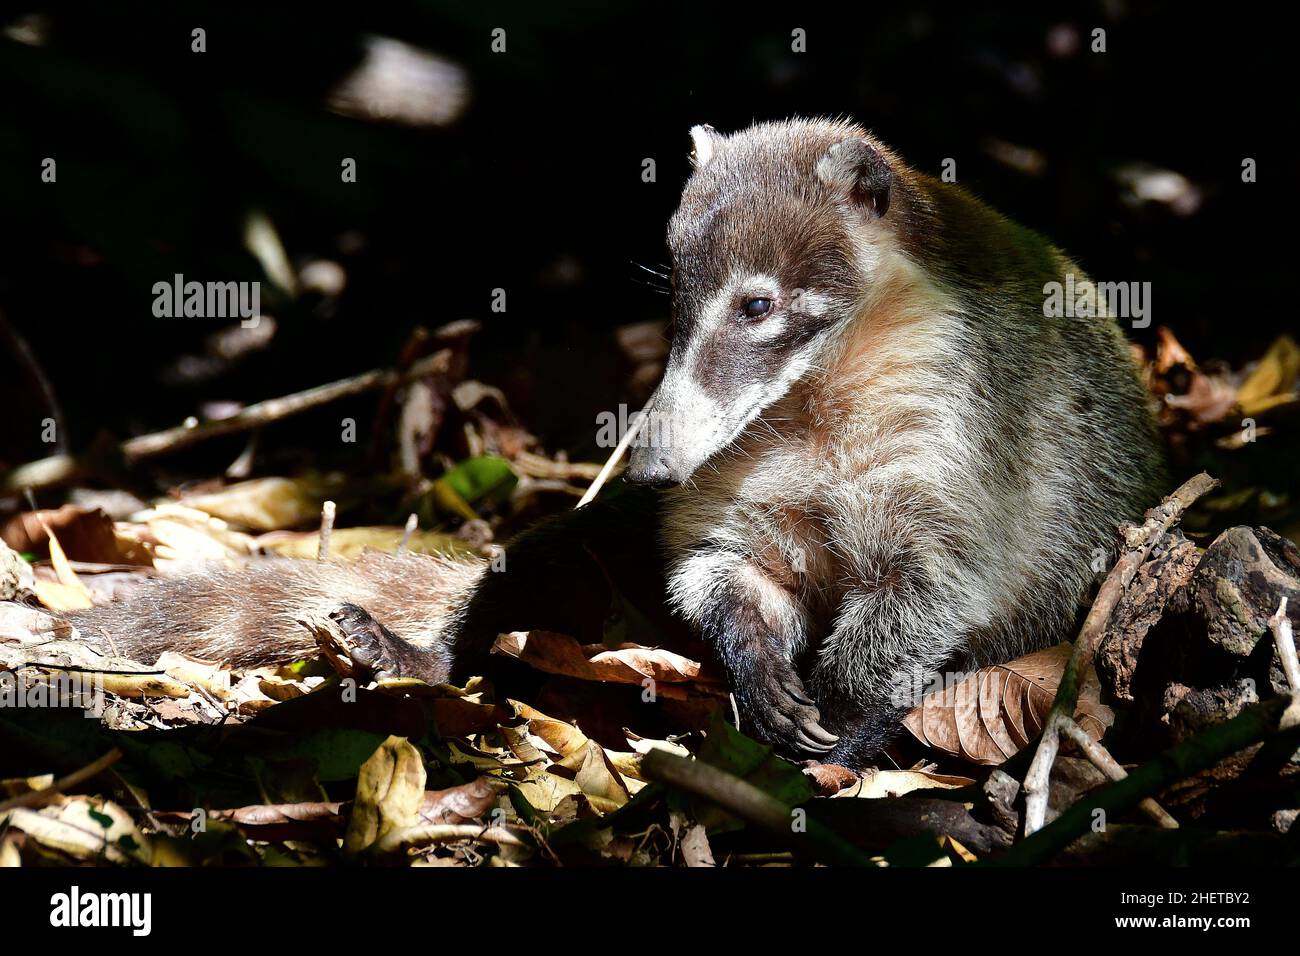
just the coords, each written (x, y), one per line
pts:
(649, 470)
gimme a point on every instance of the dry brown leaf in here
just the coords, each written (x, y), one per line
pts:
(629, 664)
(83, 828)
(1208, 399)
(179, 537)
(68, 594)
(84, 534)
(263, 504)
(830, 778)
(563, 738)
(879, 784)
(1170, 353)
(469, 801)
(993, 713)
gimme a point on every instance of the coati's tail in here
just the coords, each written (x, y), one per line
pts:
(441, 615)
(251, 616)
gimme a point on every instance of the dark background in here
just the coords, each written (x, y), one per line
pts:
(536, 188)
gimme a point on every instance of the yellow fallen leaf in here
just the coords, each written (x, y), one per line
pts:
(1273, 379)
(71, 584)
(390, 790)
(62, 597)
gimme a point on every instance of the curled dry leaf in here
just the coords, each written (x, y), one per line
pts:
(83, 828)
(878, 784)
(264, 504)
(992, 713)
(629, 664)
(85, 534)
(67, 593)
(469, 801)
(830, 778)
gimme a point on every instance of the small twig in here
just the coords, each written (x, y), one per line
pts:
(1138, 545)
(58, 469)
(1280, 625)
(748, 802)
(615, 457)
(412, 522)
(74, 669)
(1279, 715)
(37, 798)
(1103, 761)
(327, 512)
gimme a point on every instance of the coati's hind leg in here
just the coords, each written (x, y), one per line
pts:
(756, 628)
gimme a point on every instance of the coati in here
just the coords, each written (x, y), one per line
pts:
(874, 458)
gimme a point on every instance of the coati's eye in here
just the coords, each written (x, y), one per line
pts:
(757, 308)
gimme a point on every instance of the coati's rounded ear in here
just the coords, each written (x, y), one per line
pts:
(704, 143)
(861, 170)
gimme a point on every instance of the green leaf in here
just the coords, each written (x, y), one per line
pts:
(486, 478)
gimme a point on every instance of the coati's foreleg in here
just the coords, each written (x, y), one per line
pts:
(756, 627)
(887, 641)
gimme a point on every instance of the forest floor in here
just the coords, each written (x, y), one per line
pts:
(1173, 711)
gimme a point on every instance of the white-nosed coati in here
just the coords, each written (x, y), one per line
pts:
(887, 461)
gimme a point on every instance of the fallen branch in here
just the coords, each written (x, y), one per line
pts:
(1277, 716)
(58, 469)
(1280, 625)
(1137, 547)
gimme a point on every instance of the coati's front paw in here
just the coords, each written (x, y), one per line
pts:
(783, 715)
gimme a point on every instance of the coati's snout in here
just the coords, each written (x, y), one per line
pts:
(772, 249)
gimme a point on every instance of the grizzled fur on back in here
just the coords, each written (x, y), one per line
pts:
(920, 465)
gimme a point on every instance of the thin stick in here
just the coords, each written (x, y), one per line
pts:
(58, 469)
(1103, 761)
(1137, 546)
(412, 522)
(1280, 625)
(36, 798)
(326, 529)
(616, 456)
